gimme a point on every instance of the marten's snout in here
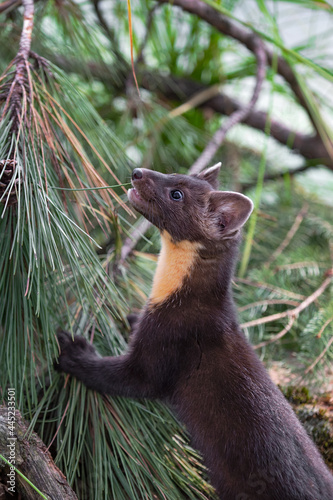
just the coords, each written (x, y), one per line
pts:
(137, 174)
(141, 192)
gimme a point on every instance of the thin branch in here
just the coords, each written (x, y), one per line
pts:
(291, 233)
(272, 288)
(9, 5)
(132, 240)
(60, 423)
(319, 334)
(329, 343)
(278, 335)
(149, 23)
(238, 116)
(267, 319)
(25, 41)
(15, 92)
(102, 21)
(301, 265)
(324, 351)
(194, 101)
(293, 313)
(268, 303)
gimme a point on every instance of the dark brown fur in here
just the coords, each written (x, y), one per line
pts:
(187, 349)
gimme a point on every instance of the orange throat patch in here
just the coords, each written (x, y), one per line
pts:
(174, 265)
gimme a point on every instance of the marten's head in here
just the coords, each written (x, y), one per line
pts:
(197, 223)
(189, 207)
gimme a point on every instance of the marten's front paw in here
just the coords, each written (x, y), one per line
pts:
(74, 353)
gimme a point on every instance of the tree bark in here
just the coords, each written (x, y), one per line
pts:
(32, 459)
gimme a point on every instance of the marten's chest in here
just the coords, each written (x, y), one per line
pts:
(175, 263)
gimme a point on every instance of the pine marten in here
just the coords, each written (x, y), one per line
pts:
(188, 350)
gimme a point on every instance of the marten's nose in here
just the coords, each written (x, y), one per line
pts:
(137, 174)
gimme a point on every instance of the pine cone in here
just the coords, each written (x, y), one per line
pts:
(7, 170)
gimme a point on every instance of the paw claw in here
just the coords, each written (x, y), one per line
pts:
(64, 338)
(75, 353)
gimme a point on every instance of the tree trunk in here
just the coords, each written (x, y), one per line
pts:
(32, 459)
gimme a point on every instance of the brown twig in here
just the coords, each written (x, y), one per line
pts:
(291, 233)
(278, 335)
(102, 21)
(238, 116)
(267, 286)
(268, 303)
(131, 241)
(267, 319)
(319, 334)
(301, 265)
(25, 41)
(15, 90)
(16, 95)
(9, 5)
(322, 354)
(291, 312)
(149, 23)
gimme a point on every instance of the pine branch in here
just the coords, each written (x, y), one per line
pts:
(321, 331)
(272, 288)
(25, 41)
(279, 335)
(102, 21)
(149, 22)
(291, 233)
(292, 314)
(324, 351)
(300, 265)
(267, 302)
(132, 240)
(237, 116)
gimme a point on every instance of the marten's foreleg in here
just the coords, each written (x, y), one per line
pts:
(116, 376)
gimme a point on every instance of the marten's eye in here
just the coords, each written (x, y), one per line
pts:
(176, 195)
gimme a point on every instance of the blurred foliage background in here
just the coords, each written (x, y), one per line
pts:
(74, 123)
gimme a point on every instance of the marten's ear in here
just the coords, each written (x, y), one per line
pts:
(211, 175)
(230, 210)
